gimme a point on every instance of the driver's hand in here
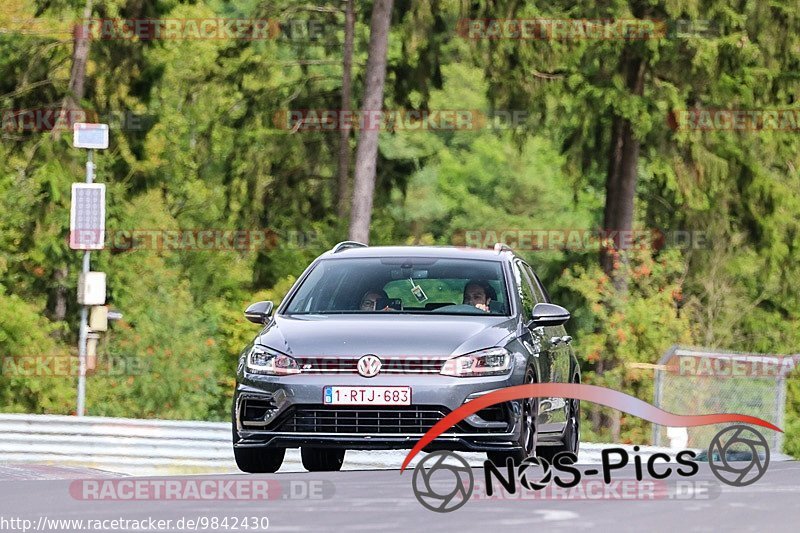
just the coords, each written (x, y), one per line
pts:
(482, 307)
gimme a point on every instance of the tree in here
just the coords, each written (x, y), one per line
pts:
(343, 175)
(71, 102)
(80, 55)
(623, 168)
(367, 151)
(607, 103)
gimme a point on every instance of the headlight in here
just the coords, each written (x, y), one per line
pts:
(262, 360)
(490, 362)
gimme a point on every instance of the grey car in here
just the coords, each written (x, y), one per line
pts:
(373, 345)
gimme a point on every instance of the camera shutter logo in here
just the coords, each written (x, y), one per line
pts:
(734, 455)
(369, 366)
(442, 482)
(528, 466)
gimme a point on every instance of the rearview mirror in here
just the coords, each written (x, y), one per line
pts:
(258, 313)
(548, 315)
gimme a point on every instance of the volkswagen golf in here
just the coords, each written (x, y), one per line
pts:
(373, 345)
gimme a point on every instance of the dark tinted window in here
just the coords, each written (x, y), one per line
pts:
(538, 293)
(400, 284)
(524, 290)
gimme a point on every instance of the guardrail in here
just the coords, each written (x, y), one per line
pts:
(159, 447)
(145, 447)
(119, 444)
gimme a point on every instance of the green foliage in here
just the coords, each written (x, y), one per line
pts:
(791, 443)
(205, 151)
(618, 330)
(25, 338)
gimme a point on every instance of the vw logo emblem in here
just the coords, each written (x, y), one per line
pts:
(369, 366)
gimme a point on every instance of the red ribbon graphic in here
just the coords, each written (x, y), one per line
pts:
(590, 393)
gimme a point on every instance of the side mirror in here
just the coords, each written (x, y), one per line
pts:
(548, 315)
(258, 313)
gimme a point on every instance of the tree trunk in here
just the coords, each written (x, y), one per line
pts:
(60, 294)
(80, 55)
(618, 215)
(621, 178)
(607, 253)
(343, 185)
(71, 102)
(367, 150)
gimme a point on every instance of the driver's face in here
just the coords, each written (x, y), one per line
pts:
(475, 295)
(369, 301)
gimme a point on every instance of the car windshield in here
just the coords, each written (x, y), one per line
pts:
(402, 285)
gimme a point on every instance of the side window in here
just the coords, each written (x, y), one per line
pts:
(543, 288)
(537, 289)
(524, 289)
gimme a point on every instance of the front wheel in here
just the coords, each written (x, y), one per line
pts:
(259, 460)
(255, 460)
(526, 444)
(570, 441)
(322, 459)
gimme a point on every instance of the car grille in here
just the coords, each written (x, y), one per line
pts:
(389, 365)
(321, 419)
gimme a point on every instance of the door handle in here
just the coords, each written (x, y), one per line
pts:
(555, 341)
(566, 339)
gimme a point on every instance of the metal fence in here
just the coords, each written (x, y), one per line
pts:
(147, 447)
(692, 381)
(119, 444)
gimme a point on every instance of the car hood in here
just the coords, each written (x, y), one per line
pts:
(397, 335)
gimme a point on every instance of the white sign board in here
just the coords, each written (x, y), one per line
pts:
(94, 136)
(87, 216)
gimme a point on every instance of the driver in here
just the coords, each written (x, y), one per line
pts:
(479, 293)
(370, 300)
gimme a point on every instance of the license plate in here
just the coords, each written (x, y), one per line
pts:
(367, 395)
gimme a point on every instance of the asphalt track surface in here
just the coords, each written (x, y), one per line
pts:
(383, 500)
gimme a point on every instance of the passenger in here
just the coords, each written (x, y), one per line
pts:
(371, 298)
(479, 293)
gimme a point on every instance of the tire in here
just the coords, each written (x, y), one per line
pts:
(526, 445)
(259, 460)
(256, 460)
(571, 440)
(322, 459)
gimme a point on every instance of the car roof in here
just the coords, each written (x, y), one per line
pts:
(446, 252)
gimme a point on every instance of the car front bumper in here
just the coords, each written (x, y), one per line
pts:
(285, 400)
